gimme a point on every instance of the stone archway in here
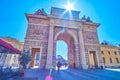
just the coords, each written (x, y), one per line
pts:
(80, 34)
(65, 36)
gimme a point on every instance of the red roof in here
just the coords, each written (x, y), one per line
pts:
(9, 46)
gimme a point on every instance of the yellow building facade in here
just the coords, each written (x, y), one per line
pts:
(9, 59)
(110, 56)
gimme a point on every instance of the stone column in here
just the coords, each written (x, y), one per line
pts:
(50, 47)
(99, 57)
(82, 50)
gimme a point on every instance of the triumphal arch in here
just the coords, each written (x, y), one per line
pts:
(80, 34)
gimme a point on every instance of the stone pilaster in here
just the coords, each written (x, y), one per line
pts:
(50, 47)
(77, 55)
(82, 51)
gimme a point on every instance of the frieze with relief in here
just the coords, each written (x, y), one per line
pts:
(38, 21)
(37, 43)
(90, 28)
(66, 23)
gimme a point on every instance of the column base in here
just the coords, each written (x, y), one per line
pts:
(47, 66)
(84, 66)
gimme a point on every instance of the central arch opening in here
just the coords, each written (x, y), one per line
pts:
(64, 39)
(62, 54)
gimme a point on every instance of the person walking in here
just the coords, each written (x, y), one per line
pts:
(59, 64)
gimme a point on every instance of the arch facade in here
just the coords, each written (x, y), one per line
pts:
(81, 36)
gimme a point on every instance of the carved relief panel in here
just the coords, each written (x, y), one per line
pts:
(37, 32)
(90, 37)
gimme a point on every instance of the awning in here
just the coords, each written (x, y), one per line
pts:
(7, 47)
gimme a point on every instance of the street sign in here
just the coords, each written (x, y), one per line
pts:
(53, 57)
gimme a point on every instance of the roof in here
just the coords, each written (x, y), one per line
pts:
(9, 46)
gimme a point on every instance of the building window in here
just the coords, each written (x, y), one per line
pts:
(117, 60)
(103, 60)
(109, 52)
(3, 57)
(0, 55)
(110, 60)
(14, 59)
(102, 52)
(119, 52)
(115, 52)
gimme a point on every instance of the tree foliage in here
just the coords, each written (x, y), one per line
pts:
(24, 58)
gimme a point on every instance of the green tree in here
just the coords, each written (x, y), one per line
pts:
(24, 58)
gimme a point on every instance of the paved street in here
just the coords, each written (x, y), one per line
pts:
(73, 74)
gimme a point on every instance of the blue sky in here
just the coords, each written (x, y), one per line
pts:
(62, 49)
(106, 12)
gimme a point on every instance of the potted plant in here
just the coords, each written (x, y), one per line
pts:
(24, 60)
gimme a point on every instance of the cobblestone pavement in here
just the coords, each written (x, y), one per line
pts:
(74, 74)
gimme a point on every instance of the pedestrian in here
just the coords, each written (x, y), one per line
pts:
(66, 64)
(101, 66)
(59, 64)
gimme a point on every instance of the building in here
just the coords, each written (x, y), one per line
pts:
(110, 56)
(80, 34)
(9, 55)
(14, 42)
